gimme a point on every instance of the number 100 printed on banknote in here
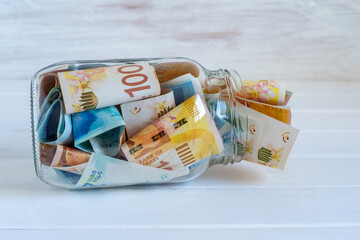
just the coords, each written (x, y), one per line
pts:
(105, 86)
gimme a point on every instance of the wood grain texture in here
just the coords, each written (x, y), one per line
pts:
(202, 232)
(283, 40)
(312, 45)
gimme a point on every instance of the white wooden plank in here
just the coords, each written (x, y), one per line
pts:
(195, 231)
(326, 121)
(56, 208)
(338, 88)
(305, 41)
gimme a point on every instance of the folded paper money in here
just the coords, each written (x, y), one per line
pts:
(170, 70)
(47, 153)
(104, 171)
(106, 86)
(70, 159)
(281, 113)
(139, 114)
(184, 87)
(269, 140)
(54, 126)
(47, 82)
(188, 131)
(231, 133)
(98, 130)
(276, 141)
(211, 92)
(253, 138)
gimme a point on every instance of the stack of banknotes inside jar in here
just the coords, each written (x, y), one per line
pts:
(139, 122)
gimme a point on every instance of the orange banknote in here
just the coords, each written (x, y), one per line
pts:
(185, 135)
(281, 113)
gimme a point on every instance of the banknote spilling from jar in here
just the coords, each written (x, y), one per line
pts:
(145, 121)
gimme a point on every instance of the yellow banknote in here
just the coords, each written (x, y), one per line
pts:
(188, 131)
(271, 92)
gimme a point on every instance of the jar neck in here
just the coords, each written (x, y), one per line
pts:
(235, 140)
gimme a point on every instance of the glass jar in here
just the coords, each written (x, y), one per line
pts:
(219, 88)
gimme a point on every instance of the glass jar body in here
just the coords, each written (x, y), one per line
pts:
(219, 88)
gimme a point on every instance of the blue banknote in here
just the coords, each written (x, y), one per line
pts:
(54, 126)
(182, 91)
(104, 171)
(184, 87)
(229, 125)
(72, 177)
(98, 130)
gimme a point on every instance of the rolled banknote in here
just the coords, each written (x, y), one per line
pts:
(47, 82)
(184, 87)
(271, 92)
(139, 114)
(54, 126)
(63, 158)
(170, 70)
(123, 139)
(47, 153)
(77, 169)
(104, 171)
(67, 156)
(98, 130)
(188, 131)
(212, 92)
(105, 86)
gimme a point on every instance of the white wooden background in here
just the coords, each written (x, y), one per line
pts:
(313, 45)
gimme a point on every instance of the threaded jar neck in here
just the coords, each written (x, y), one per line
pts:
(231, 114)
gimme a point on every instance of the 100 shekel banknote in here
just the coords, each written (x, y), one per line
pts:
(105, 86)
(188, 131)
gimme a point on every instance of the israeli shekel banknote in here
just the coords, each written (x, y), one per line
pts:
(139, 114)
(70, 159)
(271, 92)
(104, 171)
(188, 130)
(105, 86)
(281, 113)
(269, 140)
